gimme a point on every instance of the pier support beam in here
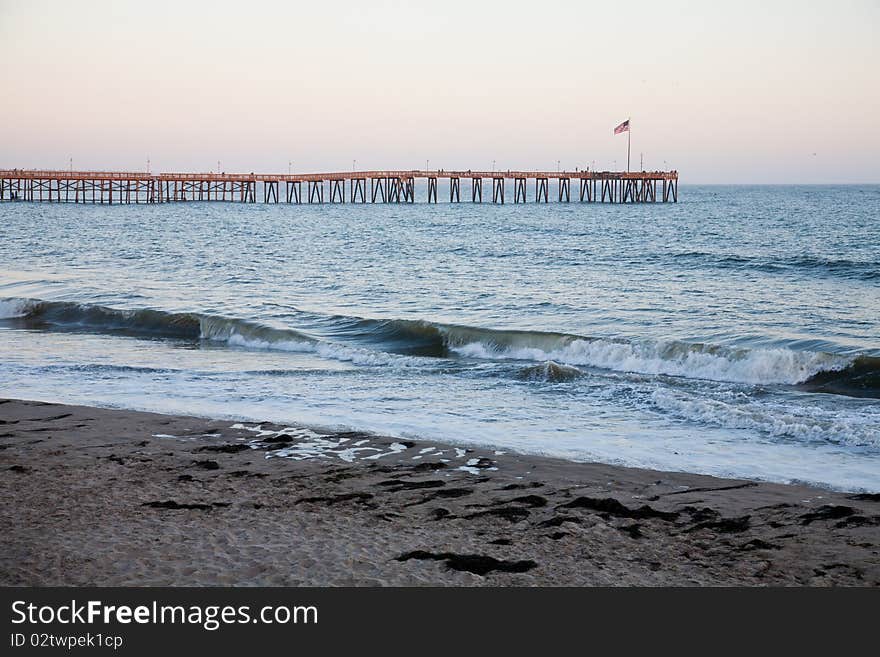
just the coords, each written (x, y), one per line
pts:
(541, 185)
(454, 190)
(588, 189)
(294, 191)
(316, 191)
(270, 191)
(379, 186)
(432, 189)
(519, 190)
(337, 191)
(476, 190)
(565, 189)
(394, 190)
(409, 191)
(358, 189)
(498, 190)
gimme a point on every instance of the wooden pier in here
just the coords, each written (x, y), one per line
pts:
(341, 187)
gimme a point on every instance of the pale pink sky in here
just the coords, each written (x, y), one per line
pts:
(747, 92)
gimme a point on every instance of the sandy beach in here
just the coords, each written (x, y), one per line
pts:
(110, 497)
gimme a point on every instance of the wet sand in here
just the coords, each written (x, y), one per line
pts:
(107, 497)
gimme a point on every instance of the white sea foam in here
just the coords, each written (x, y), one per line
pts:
(308, 444)
(11, 308)
(800, 422)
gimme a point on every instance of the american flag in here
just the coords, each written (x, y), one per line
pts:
(623, 127)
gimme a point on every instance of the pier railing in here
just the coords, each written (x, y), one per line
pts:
(386, 186)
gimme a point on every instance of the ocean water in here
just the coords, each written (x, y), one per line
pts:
(734, 333)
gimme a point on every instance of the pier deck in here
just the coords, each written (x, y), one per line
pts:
(396, 186)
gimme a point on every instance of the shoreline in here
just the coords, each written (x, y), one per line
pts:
(114, 497)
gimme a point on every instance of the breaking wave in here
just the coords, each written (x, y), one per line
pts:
(671, 358)
(554, 356)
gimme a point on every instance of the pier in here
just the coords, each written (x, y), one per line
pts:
(341, 187)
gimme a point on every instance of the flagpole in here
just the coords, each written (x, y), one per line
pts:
(628, 134)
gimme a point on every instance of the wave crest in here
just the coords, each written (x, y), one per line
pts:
(35, 313)
(671, 358)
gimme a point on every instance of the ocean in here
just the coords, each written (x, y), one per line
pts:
(735, 333)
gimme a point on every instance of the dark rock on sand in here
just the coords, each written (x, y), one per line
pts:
(230, 448)
(724, 525)
(473, 563)
(688, 491)
(279, 439)
(510, 513)
(171, 504)
(612, 507)
(865, 497)
(453, 492)
(336, 499)
(246, 473)
(398, 484)
(533, 501)
(858, 521)
(758, 544)
(827, 512)
(534, 484)
(429, 465)
(445, 493)
(703, 514)
(556, 521)
(207, 464)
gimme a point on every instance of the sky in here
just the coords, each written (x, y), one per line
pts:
(744, 92)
